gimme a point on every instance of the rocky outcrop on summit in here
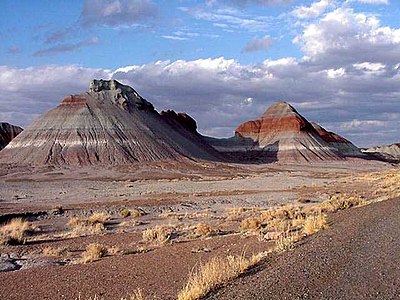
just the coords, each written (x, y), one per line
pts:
(280, 134)
(389, 153)
(109, 125)
(7, 133)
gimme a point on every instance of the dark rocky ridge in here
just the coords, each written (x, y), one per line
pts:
(7, 133)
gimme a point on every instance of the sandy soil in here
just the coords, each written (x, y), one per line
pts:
(353, 259)
(178, 195)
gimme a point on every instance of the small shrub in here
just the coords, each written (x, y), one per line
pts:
(340, 202)
(202, 229)
(56, 252)
(279, 225)
(93, 252)
(286, 241)
(314, 223)
(250, 223)
(15, 232)
(99, 217)
(135, 213)
(159, 234)
(89, 226)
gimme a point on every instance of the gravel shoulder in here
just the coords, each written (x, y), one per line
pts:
(355, 258)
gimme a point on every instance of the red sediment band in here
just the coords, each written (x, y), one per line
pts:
(73, 100)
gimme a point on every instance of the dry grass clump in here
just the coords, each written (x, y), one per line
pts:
(203, 230)
(387, 184)
(99, 217)
(134, 213)
(159, 234)
(283, 219)
(15, 232)
(286, 241)
(315, 223)
(93, 252)
(88, 226)
(237, 213)
(340, 202)
(250, 223)
(286, 212)
(137, 295)
(186, 215)
(81, 227)
(56, 252)
(214, 273)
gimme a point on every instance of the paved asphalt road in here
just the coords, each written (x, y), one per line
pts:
(357, 257)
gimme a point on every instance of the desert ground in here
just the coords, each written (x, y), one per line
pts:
(147, 230)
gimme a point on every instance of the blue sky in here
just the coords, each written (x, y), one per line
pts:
(222, 61)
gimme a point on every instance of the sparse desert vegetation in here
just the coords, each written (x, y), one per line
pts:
(134, 213)
(315, 223)
(15, 231)
(159, 234)
(217, 271)
(202, 231)
(250, 223)
(94, 224)
(56, 252)
(93, 252)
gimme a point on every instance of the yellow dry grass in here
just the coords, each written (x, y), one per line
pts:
(214, 273)
(93, 252)
(203, 230)
(99, 217)
(286, 241)
(340, 202)
(15, 232)
(92, 225)
(186, 215)
(315, 223)
(134, 213)
(56, 252)
(250, 224)
(289, 224)
(158, 234)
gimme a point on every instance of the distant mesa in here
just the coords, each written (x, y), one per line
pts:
(111, 124)
(7, 133)
(282, 134)
(389, 153)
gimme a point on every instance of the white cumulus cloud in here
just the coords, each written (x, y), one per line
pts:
(314, 10)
